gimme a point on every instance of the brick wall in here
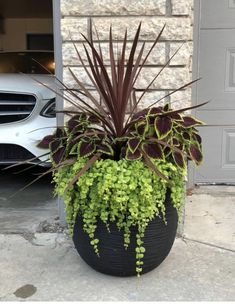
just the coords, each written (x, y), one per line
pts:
(79, 16)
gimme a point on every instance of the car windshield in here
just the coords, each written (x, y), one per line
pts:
(27, 62)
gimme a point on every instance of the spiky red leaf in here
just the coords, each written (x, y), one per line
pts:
(154, 168)
(86, 167)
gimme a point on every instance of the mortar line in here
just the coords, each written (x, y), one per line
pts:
(167, 15)
(168, 8)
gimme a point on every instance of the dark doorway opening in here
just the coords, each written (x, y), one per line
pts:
(26, 23)
(40, 42)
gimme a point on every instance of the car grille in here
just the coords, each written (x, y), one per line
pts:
(15, 107)
(10, 152)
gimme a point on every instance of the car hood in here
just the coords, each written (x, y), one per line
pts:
(19, 83)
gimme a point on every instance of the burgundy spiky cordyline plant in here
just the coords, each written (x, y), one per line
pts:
(115, 128)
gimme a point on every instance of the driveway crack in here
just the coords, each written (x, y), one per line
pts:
(207, 244)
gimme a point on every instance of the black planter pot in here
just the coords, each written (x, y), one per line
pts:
(114, 259)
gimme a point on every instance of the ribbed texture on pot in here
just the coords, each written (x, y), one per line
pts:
(114, 258)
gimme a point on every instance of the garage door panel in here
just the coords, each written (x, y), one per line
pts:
(217, 69)
(228, 148)
(216, 117)
(230, 70)
(217, 13)
(219, 160)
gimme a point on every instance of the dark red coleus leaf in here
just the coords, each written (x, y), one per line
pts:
(176, 116)
(163, 126)
(58, 155)
(93, 119)
(86, 149)
(76, 122)
(56, 144)
(101, 135)
(60, 132)
(151, 119)
(167, 151)
(196, 153)
(80, 116)
(153, 150)
(179, 159)
(105, 148)
(175, 142)
(78, 129)
(166, 107)
(155, 110)
(186, 135)
(133, 156)
(180, 146)
(140, 114)
(179, 129)
(72, 123)
(197, 137)
(123, 152)
(141, 128)
(133, 144)
(86, 138)
(189, 122)
(72, 149)
(131, 127)
(45, 142)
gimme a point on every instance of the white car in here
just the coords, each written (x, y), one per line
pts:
(27, 108)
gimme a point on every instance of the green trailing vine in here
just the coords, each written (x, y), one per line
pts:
(124, 192)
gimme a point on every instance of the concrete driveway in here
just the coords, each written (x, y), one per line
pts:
(24, 211)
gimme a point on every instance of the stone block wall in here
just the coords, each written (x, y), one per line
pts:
(79, 16)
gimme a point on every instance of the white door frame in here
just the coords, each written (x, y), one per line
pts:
(195, 75)
(59, 75)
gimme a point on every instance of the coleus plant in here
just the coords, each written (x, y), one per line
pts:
(115, 128)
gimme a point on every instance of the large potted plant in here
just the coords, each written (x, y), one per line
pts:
(120, 170)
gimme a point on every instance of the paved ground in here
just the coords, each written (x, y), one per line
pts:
(28, 210)
(210, 216)
(47, 268)
(37, 265)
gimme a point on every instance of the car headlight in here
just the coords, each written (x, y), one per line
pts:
(49, 109)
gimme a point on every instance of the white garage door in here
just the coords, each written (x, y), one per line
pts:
(216, 66)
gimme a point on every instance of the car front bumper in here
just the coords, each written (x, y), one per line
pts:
(27, 134)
